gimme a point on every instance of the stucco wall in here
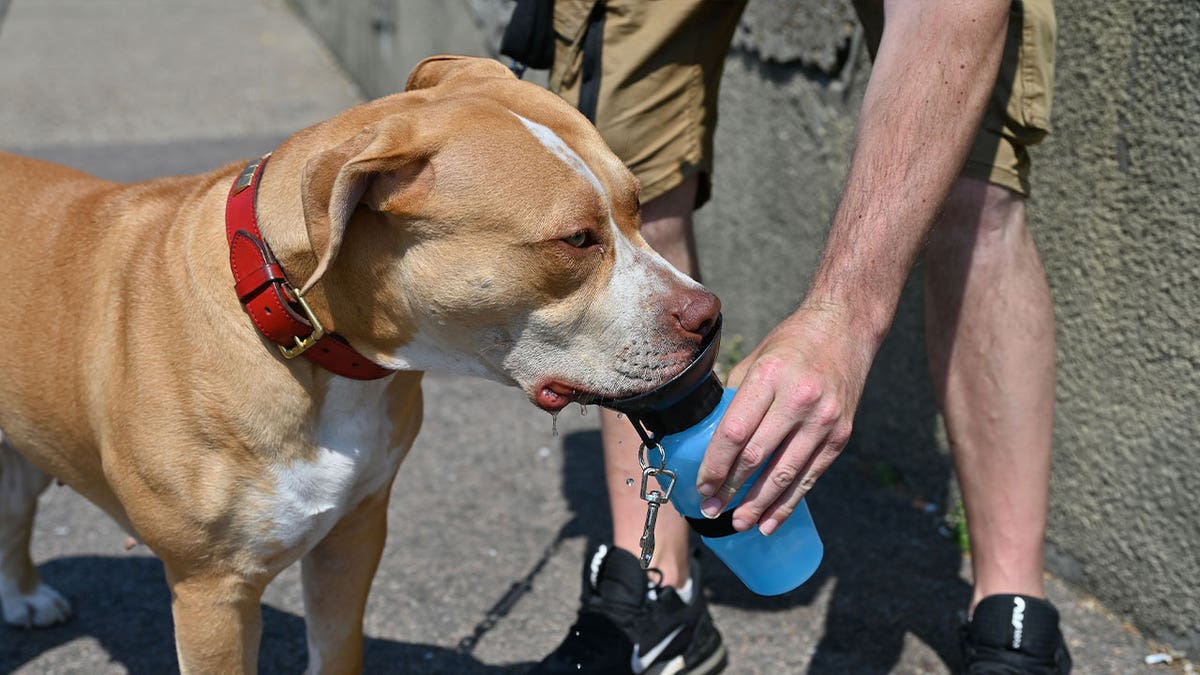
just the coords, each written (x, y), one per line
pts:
(1118, 218)
(1115, 215)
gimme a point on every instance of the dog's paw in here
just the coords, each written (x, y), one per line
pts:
(39, 609)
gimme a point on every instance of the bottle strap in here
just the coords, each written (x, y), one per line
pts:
(713, 528)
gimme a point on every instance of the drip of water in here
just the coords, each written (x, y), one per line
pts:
(554, 424)
(582, 410)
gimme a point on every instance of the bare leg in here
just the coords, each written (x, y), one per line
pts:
(990, 336)
(667, 226)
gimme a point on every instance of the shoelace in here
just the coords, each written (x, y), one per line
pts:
(652, 585)
(601, 616)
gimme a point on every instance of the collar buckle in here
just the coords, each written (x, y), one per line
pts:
(303, 344)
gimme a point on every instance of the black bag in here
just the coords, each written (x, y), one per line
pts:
(529, 37)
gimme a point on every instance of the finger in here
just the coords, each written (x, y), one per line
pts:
(738, 372)
(782, 509)
(771, 434)
(746, 412)
(786, 467)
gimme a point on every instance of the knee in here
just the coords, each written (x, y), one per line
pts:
(978, 221)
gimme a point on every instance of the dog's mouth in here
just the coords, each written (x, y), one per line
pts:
(679, 386)
(555, 395)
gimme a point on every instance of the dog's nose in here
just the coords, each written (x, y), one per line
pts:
(697, 311)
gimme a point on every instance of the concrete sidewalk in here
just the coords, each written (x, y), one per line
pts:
(492, 511)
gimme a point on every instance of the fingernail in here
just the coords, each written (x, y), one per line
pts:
(740, 525)
(711, 508)
(768, 527)
(706, 489)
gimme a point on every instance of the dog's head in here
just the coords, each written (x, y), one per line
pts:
(477, 224)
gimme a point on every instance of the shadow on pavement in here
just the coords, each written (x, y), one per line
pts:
(887, 571)
(892, 572)
(125, 606)
(878, 510)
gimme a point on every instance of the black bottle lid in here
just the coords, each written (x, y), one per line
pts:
(682, 401)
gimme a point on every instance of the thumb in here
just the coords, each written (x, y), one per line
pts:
(738, 372)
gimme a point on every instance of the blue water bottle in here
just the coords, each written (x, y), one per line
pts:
(676, 421)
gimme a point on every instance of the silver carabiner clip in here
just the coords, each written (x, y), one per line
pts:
(654, 499)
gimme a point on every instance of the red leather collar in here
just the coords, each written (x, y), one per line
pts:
(271, 301)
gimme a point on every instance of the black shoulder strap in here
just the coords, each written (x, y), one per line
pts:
(529, 37)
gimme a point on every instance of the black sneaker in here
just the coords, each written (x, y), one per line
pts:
(629, 625)
(1014, 635)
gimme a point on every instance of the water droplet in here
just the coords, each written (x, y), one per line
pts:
(554, 424)
(582, 410)
(620, 416)
(629, 482)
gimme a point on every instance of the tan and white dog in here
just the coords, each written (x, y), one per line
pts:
(474, 224)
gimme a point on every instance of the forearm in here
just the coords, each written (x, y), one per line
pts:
(934, 72)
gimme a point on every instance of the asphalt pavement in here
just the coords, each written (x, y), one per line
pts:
(492, 511)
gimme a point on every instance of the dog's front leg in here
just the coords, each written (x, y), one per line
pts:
(24, 600)
(218, 622)
(337, 577)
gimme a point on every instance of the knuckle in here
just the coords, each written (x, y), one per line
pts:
(805, 394)
(783, 477)
(735, 432)
(839, 437)
(806, 483)
(764, 370)
(827, 413)
(751, 457)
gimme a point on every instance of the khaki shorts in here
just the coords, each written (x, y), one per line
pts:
(647, 74)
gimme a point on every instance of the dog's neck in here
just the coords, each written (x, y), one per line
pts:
(337, 299)
(280, 215)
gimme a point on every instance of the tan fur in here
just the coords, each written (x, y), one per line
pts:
(131, 373)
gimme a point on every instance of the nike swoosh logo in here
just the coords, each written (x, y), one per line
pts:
(639, 664)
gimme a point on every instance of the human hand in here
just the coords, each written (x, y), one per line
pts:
(794, 408)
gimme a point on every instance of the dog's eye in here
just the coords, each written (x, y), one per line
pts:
(580, 239)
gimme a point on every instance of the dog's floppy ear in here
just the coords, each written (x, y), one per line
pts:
(438, 69)
(337, 180)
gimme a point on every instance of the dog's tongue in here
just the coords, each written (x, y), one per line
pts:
(555, 396)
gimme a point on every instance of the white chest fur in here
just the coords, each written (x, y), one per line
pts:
(353, 460)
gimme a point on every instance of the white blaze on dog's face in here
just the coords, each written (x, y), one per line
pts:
(632, 333)
(521, 258)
